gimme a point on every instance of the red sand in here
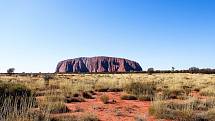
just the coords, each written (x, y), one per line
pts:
(197, 95)
(122, 110)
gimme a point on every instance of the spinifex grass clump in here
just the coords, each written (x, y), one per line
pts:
(104, 99)
(14, 92)
(54, 107)
(185, 110)
(143, 90)
(53, 103)
(12, 89)
(15, 100)
(65, 118)
(174, 93)
(208, 91)
(89, 117)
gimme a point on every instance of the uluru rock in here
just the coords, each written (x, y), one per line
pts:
(97, 64)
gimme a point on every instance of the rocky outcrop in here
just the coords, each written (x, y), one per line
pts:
(97, 64)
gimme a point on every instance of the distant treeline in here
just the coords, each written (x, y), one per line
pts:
(202, 71)
(192, 70)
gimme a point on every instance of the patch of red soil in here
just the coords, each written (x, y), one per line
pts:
(197, 95)
(121, 110)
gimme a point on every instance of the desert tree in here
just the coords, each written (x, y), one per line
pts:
(10, 70)
(150, 71)
(173, 69)
(194, 70)
(46, 78)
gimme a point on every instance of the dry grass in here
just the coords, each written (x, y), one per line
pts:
(104, 99)
(170, 93)
(208, 91)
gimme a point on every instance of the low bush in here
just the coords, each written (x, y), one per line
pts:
(140, 118)
(109, 89)
(163, 111)
(13, 89)
(173, 93)
(15, 93)
(46, 78)
(107, 86)
(102, 89)
(88, 117)
(87, 95)
(118, 112)
(104, 99)
(114, 89)
(74, 99)
(188, 110)
(15, 100)
(37, 115)
(83, 117)
(128, 97)
(54, 98)
(53, 107)
(141, 90)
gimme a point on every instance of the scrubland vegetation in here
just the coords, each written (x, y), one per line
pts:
(180, 97)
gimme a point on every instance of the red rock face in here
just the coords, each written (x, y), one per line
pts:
(97, 64)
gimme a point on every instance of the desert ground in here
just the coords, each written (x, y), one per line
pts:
(107, 97)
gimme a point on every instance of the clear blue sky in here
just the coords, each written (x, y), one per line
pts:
(36, 34)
